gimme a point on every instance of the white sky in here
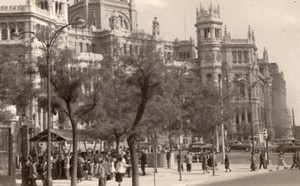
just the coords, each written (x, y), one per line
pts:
(276, 24)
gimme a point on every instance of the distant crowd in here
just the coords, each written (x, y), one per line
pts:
(103, 166)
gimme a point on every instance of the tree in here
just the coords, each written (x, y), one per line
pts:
(77, 90)
(16, 85)
(142, 75)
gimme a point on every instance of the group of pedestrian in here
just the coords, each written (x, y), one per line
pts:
(208, 162)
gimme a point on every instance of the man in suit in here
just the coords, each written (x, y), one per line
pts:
(143, 162)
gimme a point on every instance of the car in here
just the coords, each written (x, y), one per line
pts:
(237, 145)
(290, 147)
(259, 147)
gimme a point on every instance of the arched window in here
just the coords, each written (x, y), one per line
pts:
(56, 7)
(4, 34)
(121, 21)
(46, 5)
(125, 24)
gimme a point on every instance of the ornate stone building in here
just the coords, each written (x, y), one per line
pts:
(280, 111)
(224, 60)
(108, 23)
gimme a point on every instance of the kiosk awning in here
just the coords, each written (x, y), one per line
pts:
(58, 135)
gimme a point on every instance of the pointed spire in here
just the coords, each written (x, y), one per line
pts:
(253, 36)
(210, 7)
(265, 55)
(249, 32)
(225, 31)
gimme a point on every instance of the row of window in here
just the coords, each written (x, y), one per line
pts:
(184, 55)
(45, 6)
(208, 33)
(85, 47)
(240, 57)
(7, 30)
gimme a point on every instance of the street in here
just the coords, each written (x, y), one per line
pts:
(280, 178)
(240, 166)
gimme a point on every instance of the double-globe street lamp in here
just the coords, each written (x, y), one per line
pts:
(47, 44)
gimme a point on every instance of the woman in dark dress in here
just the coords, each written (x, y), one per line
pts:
(79, 169)
(204, 164)
(227, 163)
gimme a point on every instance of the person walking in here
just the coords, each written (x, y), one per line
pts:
(227, 163)
(179, 162)
(188, 160)
(33, 174)
(252, 159)
(120, 170)
(295, 160)
(168, 157)
(101, 174)
(281, 162)
(262, 160)
(204, 163)
(67, 166)
(143, 162)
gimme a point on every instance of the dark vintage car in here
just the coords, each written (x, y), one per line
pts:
(237, 145)
(259, 147)
(284, 148)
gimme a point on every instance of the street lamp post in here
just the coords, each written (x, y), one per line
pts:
(180, 153)
(266, 85)
(250, 87)
(47, 46)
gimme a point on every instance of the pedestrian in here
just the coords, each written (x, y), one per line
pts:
(281, 162)
(295, 160)
(227, 163)
(96, 163)
(188, 160)
(143, 162)
(210, 161)
(262, 160)
(80, 171)
(33, 174)
(204, 163)
(26, 170)
(127, 160)
(67, 166)
(168, 157)
(120, 170)
(101, 174)
(252, 159)
(179, 162)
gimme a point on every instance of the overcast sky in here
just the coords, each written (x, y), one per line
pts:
(276, 24)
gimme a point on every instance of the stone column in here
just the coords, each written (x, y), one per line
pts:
(8, 31)
(0, 32)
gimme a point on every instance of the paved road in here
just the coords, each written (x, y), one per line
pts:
(277, 178)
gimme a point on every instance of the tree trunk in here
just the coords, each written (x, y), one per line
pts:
(134, 160)
(75, 155)
(118, 146)
(170, 141)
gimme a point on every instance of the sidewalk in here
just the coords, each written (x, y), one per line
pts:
(170, 177)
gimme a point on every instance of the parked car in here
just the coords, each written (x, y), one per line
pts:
(237, 145)
(290, 147)
(259, 147)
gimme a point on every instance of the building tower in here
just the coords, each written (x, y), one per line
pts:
(209, 38)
